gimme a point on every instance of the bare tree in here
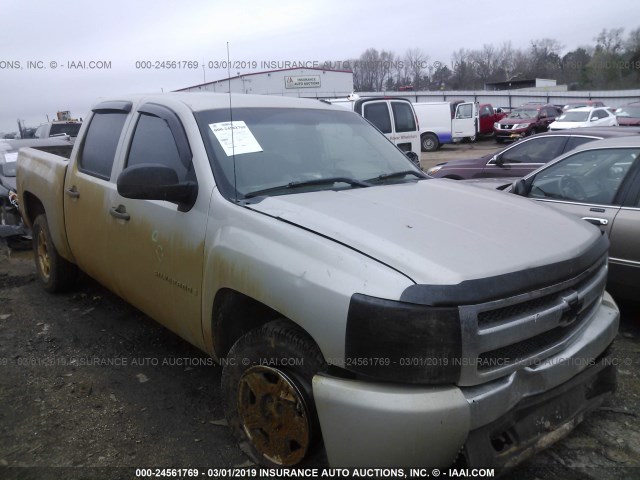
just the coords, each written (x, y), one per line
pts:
(417, 62)
(610, 41)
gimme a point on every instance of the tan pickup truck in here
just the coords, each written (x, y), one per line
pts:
(354, 304)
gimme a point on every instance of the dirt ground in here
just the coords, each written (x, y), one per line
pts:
(86, 381)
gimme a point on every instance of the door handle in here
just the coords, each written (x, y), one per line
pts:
(72, 192)
(599, 222)
(120, 212)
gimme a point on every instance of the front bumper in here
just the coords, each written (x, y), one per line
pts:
(510, 134)
(496, 424)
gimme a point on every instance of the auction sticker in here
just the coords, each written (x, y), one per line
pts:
(235, 138)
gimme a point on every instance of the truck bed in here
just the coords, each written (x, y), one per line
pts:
(45, 180)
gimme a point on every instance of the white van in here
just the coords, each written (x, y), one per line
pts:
(394, 117)
(446, 122)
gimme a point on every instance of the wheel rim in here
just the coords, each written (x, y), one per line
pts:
(274, 415)
(428, 143)
(43, 256)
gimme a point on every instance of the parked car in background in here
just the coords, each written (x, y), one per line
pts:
(585, 117)
(526, 120)
(446, 122)
(59, 128)
(526, 155)
(12, 229)
(600, 183)
(582, 103)
(393, 116)
(487, 116)
(628, 115)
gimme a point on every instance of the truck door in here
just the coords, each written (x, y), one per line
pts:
(396, 120)
(465, 121)
(90, 185)
(156, 250)
(378, 114)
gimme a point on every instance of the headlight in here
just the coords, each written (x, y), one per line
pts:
(496, 125)
(521, 125)
(434, 170)
(403, 342)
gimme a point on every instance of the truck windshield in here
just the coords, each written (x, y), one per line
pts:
(276, 147)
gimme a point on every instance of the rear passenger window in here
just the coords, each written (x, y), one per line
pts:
(153, 142)
(100, 143)
(378, 114)
(403, 117)
(575, 142)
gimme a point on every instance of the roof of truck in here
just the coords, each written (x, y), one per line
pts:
(199, 101)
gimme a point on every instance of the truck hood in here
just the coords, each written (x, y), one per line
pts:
(438, 231)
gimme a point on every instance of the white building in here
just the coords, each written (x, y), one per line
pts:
(290, 82)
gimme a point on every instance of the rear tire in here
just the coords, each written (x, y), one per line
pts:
(55, 273)
(429, 142)
(267, 383)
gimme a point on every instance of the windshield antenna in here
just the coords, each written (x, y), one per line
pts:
(233, 144)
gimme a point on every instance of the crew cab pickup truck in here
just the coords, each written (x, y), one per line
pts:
(291, 241)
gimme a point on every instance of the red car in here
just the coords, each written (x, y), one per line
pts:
(628, 115)
(526, 120)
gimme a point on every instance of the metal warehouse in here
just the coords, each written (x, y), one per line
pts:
(290, 82)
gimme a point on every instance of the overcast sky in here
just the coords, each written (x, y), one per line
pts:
(52, 34)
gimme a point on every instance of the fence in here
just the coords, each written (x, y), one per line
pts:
(515, 98)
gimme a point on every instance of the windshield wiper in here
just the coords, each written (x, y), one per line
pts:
(404, 173)
(307, 183)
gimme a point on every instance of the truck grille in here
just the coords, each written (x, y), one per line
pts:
(503, 335)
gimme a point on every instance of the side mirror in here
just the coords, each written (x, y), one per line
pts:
(593, 119)
(522, 187)
(151, 181)
(499, 160)
(542, 115)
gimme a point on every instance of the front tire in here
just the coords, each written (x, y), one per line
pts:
(55, 273)
(267, 383)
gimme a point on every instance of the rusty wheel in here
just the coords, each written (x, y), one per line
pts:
(55, 273)
(274, 415)
(42, 256)
(267, 380)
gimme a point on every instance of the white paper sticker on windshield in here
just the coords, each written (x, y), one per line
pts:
(11, 157)
(242, 140)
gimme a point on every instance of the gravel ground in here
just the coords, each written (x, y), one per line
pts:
(87, 381)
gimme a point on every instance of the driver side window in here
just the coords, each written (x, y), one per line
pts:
(153, 142)
(592, 176)
(540, 150)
